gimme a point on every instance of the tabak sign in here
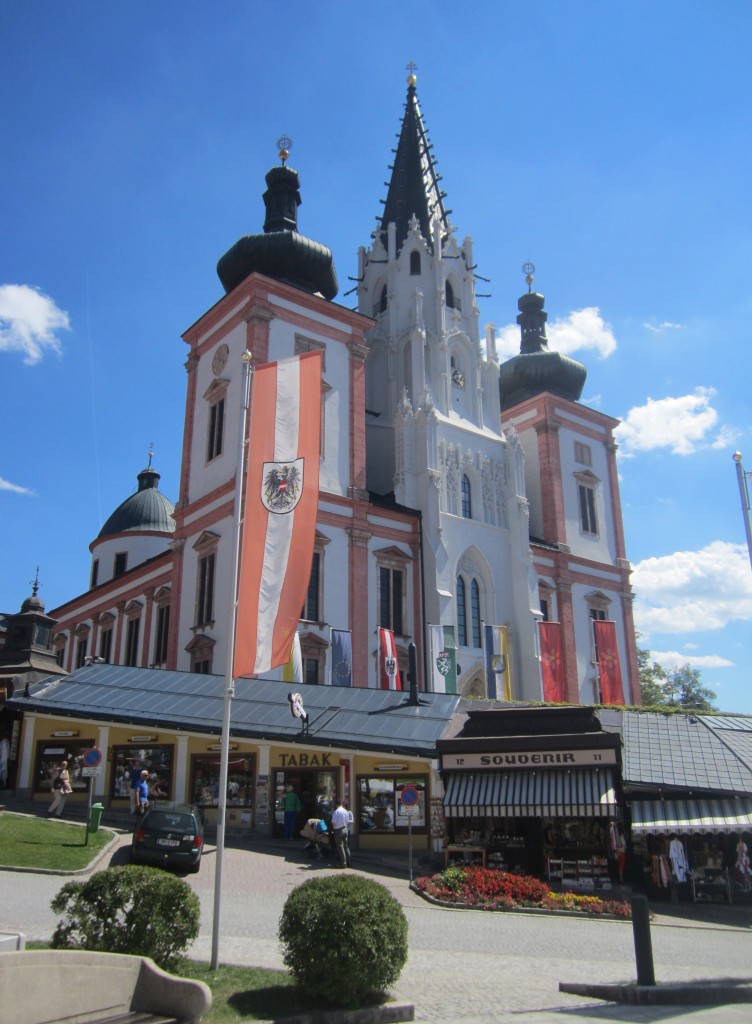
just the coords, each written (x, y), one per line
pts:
(530, 759)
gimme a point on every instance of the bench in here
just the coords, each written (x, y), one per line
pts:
(50, 986)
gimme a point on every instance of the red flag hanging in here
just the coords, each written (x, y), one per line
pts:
(607, 656)
(389, 673)
(281, 502)
(552, 664)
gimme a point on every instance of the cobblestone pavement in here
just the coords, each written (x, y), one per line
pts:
(464, 967)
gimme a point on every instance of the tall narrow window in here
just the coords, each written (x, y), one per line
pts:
(414, 262)
(588, 521)
(382, 301)
(121, 564)
(461, 613)
(94, 573)
(163, 634)
(81, 652)
(475, 612)
(449, 295)
(205, 590)
(131, 641)
(390, 599)
(467, 500)
(215, 435)
(105, 645)
(311, 607)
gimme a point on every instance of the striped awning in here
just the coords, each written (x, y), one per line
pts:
(687, 817)
(578, 793)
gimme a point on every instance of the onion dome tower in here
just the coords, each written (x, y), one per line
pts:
(27, 655)
(537, 369)
(281, 252)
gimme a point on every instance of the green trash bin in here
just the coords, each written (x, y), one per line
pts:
(95, 818)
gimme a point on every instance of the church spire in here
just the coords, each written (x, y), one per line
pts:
(414, 186)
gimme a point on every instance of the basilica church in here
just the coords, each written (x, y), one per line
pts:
(471, 508)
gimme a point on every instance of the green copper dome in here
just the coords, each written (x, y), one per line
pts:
(147, 509)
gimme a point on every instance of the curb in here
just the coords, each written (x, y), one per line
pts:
(78, 871)
(539, 911)
(704, 993)
(387, 1013)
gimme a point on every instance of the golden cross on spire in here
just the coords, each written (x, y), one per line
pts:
(411, 67)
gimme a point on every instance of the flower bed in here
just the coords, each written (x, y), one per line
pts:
(489, 889)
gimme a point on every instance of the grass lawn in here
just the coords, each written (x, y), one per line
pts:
(27, 842)
(247, 993)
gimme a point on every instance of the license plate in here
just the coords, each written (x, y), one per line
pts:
(168, 842)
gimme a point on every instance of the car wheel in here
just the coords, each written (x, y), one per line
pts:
(194, 868)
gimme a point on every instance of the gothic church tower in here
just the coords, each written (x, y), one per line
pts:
(433, 419)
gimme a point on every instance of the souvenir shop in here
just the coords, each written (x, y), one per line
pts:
(534, 791)
(693, 849)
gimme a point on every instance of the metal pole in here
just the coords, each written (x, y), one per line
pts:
(410, 845)
(229, 681)
(744, 493)
(88, 810)
(643, 943)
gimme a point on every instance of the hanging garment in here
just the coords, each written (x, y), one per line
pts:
(678, 858)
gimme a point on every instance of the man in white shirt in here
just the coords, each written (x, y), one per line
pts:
(341, 818)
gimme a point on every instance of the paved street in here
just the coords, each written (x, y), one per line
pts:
(464, 967)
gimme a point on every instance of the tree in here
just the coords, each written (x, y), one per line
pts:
(677, 688)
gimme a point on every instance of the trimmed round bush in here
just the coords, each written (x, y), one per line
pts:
(344, 938)
(130, 909)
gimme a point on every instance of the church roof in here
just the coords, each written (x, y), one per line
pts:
(414, 186)
(281, 252)
(147, 509)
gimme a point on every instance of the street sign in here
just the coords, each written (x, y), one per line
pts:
(409, 810)
(92, 758)
(409, 796)
(87, 771)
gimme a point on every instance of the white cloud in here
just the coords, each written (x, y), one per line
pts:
(28, 322)
(583, 329)
(693, 591)
(662, 328)
(6, 485)
(675, 659)
(681, 424)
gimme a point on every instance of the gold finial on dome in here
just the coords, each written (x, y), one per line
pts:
(528, 269)
(285, 145)
(411, 67)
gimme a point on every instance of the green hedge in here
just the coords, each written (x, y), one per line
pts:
(344, 938)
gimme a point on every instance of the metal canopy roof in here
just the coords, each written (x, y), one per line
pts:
(380, 720)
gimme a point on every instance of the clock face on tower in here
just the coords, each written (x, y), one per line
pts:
(219, 360)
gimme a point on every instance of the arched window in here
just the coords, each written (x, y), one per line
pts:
(449, 292)
(461, 617)
(475, 612)
(467, 501)
(415, 262)
(381, 300)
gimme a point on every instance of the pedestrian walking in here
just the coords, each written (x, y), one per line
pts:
(61, 787)
(142, 792)
(341, 822)
(292, 808)
(135, 774)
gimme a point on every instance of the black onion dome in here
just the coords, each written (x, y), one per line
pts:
(32, 604)
(537, 369)
(281, 253)
(147, 509)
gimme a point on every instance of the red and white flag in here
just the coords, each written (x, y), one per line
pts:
(281, 502)
(607, 655)
(389, 673)
(552, 662)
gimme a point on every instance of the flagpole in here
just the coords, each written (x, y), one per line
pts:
(229, 690)
(744, 494)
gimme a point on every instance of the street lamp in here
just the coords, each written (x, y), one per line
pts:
(744, 492)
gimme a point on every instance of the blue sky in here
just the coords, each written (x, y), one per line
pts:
(609, 143)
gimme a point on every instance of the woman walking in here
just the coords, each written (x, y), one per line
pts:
(61, 787)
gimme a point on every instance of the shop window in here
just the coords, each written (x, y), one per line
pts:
(157, 760)
(380, 806)
(49, 755)
(205, 780)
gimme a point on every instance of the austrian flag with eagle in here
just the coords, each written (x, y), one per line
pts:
(281, 503)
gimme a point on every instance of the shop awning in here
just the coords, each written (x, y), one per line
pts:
(579, 793)
(686, 817)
